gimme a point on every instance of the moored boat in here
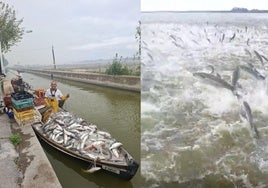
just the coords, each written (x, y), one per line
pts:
(70, 134)
(84, 141)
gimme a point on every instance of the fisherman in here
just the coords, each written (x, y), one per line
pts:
(54, 92)
(20, 82)
(19, 78)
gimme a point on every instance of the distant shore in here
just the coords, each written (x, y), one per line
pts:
(234, 10)
(203, 11)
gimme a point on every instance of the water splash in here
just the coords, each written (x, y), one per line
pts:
(191, 128)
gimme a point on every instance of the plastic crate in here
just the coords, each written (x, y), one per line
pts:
(23, 115)
(21, 95)
(23, 109)
(25, 121)
(22, 103)
(28, 120)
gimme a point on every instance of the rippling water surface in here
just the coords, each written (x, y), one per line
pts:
(194, 131)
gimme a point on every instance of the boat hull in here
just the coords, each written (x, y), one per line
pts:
(123, 171)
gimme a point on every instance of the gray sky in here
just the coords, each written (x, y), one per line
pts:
(186, 5)
(79, 30)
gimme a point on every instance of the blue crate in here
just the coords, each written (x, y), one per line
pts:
(22, 103)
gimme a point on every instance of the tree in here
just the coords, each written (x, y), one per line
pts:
(11, 31)
(116, 67)
(138, 38)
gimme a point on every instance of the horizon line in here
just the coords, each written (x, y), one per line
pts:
(229, 11)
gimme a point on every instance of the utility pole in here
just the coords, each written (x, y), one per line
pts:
(54, 63)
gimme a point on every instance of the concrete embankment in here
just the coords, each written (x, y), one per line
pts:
(131, 83)
(25, 165)
(9, 173)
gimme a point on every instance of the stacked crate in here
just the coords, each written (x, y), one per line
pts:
(23, 107)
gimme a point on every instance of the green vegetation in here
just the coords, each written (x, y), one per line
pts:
(117, 68)
(15, 139)
(11, 31)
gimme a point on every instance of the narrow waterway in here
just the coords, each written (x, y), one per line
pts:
(115, 111)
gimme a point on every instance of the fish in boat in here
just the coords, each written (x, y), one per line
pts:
(82, 140)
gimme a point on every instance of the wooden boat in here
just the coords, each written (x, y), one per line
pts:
(81, 140)
(75, 137)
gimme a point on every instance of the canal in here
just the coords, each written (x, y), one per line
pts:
(115, 111)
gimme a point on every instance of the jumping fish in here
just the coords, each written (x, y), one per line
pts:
(222, 38)
(253, 71)
(259, 56)
(248, 52)
(250, 118)
(232, 38)
(151, 57)
(248, 113)
(177, 45)
(248, 42)
(195, 42)
(235, 77)
(173, 37)
(215, 79)
(265, 58)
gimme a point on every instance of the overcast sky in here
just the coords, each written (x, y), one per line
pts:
(79, 30)
(185, 5)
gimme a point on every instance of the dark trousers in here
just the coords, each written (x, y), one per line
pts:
(20, 81)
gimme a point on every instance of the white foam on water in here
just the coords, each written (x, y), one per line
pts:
(263, 165)
(148, 107)
(197, 120)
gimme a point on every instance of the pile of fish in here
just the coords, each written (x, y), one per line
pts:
(76, 134)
